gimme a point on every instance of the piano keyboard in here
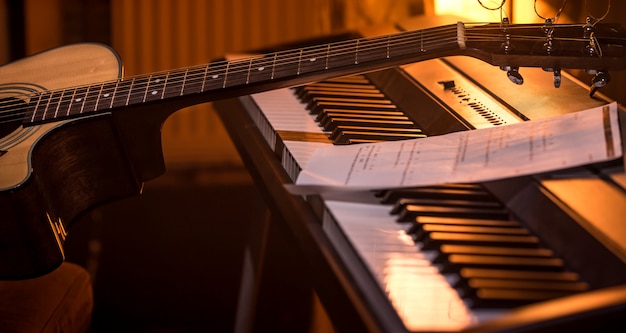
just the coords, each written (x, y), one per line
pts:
(446, 257)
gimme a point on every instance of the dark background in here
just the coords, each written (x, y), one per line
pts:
(170, 260)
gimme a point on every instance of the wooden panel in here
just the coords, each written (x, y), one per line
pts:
(155, 35)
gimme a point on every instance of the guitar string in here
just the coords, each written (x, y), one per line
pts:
(219, 66)
(492, 8)
(471, 36)
(12, 114)
(223, 64)
(555, 17)
(351, 49)
(265, 58)
(596, 20)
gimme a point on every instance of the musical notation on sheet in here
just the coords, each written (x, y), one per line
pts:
(530, 147)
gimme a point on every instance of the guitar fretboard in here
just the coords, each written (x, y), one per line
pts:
(261, 70)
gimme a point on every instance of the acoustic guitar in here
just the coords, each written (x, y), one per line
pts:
(75, 134)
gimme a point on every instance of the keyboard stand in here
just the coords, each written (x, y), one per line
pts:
(294, 222)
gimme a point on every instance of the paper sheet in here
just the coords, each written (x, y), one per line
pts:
(471, 156)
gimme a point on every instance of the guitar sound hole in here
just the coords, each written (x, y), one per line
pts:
(12, 111)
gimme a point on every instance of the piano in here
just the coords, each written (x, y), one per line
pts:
(538, 253)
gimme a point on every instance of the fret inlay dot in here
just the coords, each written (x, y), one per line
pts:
(154, 92)
(78, 99)
(215, 76)
(312, 59)
(106, 95)
(261, 68)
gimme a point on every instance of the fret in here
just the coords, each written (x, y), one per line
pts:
(69, 107)
(39, 106)
(299, 62)
(286, 64)
(51, 105)
(58, 105)
(313, 59)
(107, 90)
(259, 69)
(237, 73)
(122, 93)
(226, 75)
(91, 99)
(155, 88)
(327, 56)
(78, 99)
(374, 49)
(398, 47)
(214, 78)
(130, 91)
(249, 69)
(342, 55)
(145, 93)
(274, 65)
(117, 83)
(64, 103)
(174, 84)
(387, 49)
(167, 76)
(206, 72)
(98, 95)
(195, 78)
(182, 85)
(138, 89)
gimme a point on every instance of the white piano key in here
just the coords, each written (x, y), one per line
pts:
(422, 296)
(285, 112)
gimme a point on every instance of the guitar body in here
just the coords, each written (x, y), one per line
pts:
(52, 173)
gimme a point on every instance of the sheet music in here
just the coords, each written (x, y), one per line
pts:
(530, 147)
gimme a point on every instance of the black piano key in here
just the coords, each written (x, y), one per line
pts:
(328, 85)
(320, 106)
(437, 239)
(332, 118)
(359, 78)
(402, 203)
(410, 212)
(420, 221)
(348, 137)
(437, 192)
(339, 89)
(505, 298)
(341, 129)
(309, 95)
(466, 274)
(571, 286)
(360, 103)
(446, 250)
(353, 83)
(327, 116)
(343, 134)
(336, 122)
(466, 283)
(457, 261)
(426, 230)
(465, 221)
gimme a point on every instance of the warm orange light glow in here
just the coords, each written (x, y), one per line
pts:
(518, 11)
(469, 10)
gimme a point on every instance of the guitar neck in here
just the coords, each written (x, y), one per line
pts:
(552, 47)
(244, 76)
